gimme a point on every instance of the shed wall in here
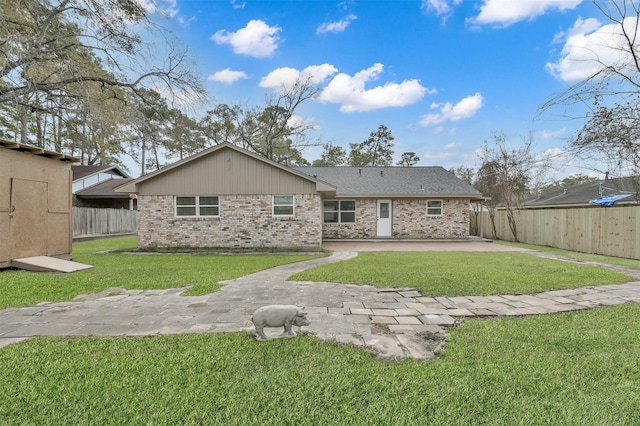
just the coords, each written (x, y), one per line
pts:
(21, 232)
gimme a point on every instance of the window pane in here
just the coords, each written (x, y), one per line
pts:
(348, 217)
(348, 205)
(330, 217)
(208, 211)
(283, 210)
(186, 201)
(384, 210)
(283, 199)
(331, 206)
(434, 203)
(186, 211)
(434, 212)
(208, 201)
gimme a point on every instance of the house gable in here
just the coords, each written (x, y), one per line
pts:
(226, 170)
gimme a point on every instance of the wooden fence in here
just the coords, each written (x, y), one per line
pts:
(90, 221)
(611, 231)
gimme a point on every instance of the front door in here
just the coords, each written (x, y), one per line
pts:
(384, 218)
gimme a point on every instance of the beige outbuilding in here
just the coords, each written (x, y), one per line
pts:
(35, 203)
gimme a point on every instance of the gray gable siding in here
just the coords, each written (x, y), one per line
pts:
(393, 182)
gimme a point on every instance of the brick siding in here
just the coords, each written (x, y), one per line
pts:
(244, 222)
(409, 220)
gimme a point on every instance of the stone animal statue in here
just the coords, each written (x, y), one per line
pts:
(278, 316)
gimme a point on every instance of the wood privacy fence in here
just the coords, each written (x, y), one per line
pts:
(90, 221)
(611, 231)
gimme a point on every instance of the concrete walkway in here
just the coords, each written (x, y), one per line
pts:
(395, 323)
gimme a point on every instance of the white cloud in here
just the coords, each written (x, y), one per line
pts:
(166, 8)
(336, 27)
(350, 91)
(283, 77)
(508, 12)
(590, 47)
(227, 76)
(451, 145)
(466, 108)
(553, 135)
(437, 155)
(440, 7)
(257, 39)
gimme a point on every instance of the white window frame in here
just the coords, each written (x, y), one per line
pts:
(280, 204)
(197, 206)
(340, 211)
(441, 208)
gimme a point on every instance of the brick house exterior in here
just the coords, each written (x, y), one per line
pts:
(229, 197)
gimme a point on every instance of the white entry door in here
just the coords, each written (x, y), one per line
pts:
(384, 218)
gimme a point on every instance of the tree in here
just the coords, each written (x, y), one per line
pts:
(377, 150)
(408, 159)
(618, 79)
(505, 175)
(467, 174)
(273, 131)
(611, 137)
(332, 155)
(608, 139)
(47, 57)
(568, 182)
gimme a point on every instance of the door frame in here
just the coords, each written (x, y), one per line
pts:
(384, 225)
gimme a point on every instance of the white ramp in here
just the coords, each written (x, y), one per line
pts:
(48, 264)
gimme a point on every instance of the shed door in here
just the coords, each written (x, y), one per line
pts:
(28, 218)
(384, 218)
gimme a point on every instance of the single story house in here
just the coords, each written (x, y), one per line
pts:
(93, 186)
(226, 196)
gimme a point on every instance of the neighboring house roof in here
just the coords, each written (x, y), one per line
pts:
(580, 195)
(81, 172)
(105, 189)
(132, 186)
(393, 182)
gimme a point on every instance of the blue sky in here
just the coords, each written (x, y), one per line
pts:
(442, 75)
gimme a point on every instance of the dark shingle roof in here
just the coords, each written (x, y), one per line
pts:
(582, 194)
(105, 189)
(392, 181)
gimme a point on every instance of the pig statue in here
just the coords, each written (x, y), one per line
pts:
(278, 316)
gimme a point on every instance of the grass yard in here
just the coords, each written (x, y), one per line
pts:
(569, 369)
(132, 271)
(462, 273)
(631, 263)
(578, 368)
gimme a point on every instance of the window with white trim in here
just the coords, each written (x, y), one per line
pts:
(283, 205)
(339, 211)
(434, 207)
(198, 206)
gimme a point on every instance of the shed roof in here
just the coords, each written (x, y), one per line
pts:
(580, 195)
(40, 152)
(394, 181)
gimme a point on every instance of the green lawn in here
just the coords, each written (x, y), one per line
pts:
(132, 271)
(462, 273)
(564, 369)
(577, 368)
